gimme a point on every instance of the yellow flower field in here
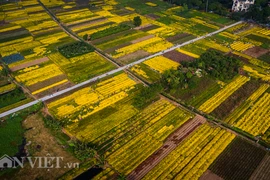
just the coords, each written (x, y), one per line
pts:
(256, 120)
(151, 45)
(253, 72)
(161, 64)
(139, 71)
(192, 157)
(7, 88)
(39, 74)
(92, 99)
(188, 53)
(240, 46)
(50, 86)
(223, 94)
(231, 119)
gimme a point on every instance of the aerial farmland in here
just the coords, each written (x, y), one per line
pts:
(132, 89)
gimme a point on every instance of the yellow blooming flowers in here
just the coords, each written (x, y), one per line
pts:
(223, 94)
(161, 64)
(39, 74)
(240, 46)
(194, 155)
(93, 99)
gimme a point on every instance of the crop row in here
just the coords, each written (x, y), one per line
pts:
(193, 156)
(223, 94)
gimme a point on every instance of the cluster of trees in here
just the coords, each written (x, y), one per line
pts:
(216, 64)
(137, 21)
(146, 95)
(75, 49)
(82, 150)
(259, 12)
(218, 6)
(173, 79)
(212, 62)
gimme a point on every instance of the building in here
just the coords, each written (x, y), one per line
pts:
(241, 5)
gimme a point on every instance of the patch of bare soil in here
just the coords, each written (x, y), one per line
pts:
(263, 170)
(133, 56)
(208, 175)
(142, 39)
(149, 27)
(28, 64)
(153, 16)
(177, 56)
(47, 82)
(256, 51)
(177, 37)
(42, 143)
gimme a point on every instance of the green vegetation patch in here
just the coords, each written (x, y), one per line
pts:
(265, 58)
(75, 49)
(109, 31)
(11, 97)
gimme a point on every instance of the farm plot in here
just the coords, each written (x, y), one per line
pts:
(239, 154)
(256, 51)
(194, 155)
(87, 101)
(262, 171)
(177, 56)
(223, 94)
(152, 69)
(153, 126)
(233, 101)
(256, 120)
(12, 98)
(240, 110)
(75, 15)
(82, 67)
(152, 45)
(204, 89)
(145, 72)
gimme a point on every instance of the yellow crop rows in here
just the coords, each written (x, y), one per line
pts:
(193, 156)
(188, 53)
(248, 103)
(7, 88)
(137, 69)
(264, 32)
(254, 73)
(240, 46)
(39, 74)
(93, 99)
(50, 86)
(161, 64)
(134, 47)
(223, 94)
(256, 120)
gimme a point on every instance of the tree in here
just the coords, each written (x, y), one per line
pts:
(85, 37)
(137, 21)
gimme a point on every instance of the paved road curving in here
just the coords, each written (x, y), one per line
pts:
(112, 72)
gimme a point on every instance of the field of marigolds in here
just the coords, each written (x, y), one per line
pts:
(198, 111)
